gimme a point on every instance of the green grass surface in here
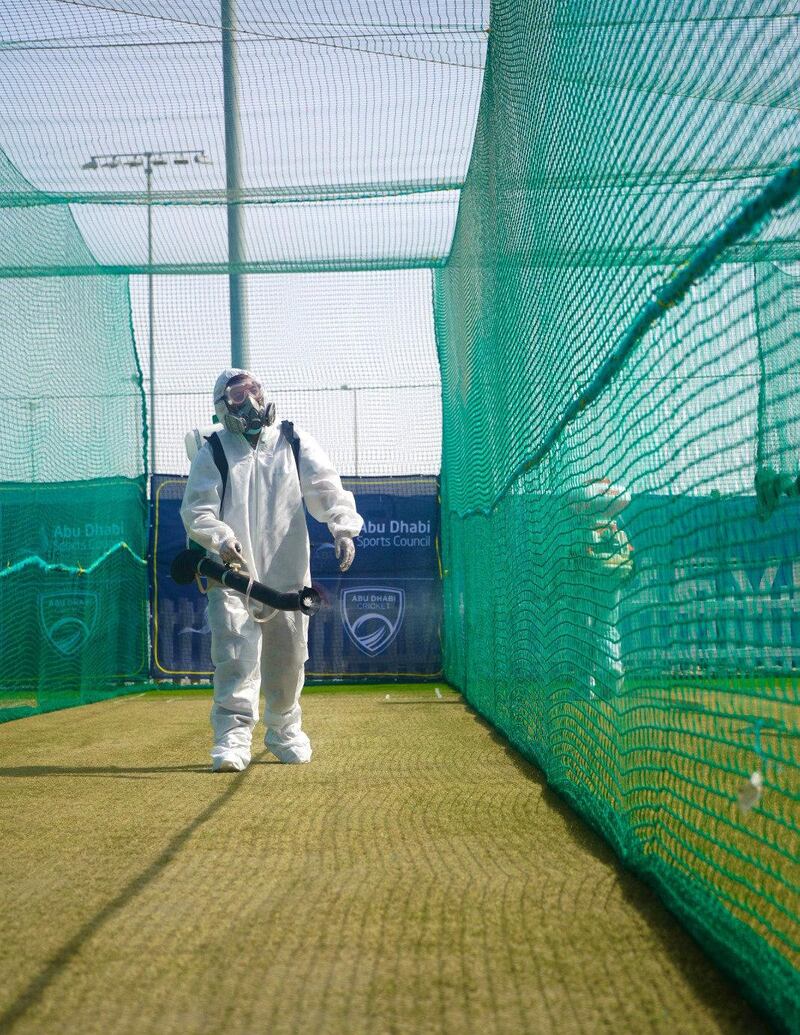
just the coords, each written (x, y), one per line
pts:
(19, 704)
(417, 877)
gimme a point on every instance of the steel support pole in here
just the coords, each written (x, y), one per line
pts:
(233, 178)
(148, 171)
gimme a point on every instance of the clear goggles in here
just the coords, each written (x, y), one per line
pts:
(239, 392)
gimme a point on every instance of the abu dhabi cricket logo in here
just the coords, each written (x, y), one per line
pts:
(68, 619)
(372, 616)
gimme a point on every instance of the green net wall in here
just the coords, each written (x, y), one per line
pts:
(73, 519)
(618, 335)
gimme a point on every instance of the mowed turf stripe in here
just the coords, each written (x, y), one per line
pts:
(418, 876)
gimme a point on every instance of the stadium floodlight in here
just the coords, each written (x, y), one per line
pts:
(147, 161)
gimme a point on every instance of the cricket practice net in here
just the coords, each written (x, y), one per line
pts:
(555, 246)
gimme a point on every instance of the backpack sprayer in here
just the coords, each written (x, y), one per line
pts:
(193, 563)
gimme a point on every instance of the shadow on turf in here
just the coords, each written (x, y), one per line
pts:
(36, 989)
(122, 772)
(127, 772)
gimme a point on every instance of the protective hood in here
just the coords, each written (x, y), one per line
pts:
(219, 387)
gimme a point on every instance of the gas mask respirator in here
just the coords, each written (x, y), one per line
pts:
(245, 412)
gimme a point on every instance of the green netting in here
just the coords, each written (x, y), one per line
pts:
(73, 517)
(356, 124)
(620, 303)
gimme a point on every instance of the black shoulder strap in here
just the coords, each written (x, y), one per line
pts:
(291, 436)
(222, 465)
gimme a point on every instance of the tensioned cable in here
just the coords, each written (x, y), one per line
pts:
(4, 49)
(89, 42)
(238, 32)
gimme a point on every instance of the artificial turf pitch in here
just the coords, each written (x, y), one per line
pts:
(418, 876)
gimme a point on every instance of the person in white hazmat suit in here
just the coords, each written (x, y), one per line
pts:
(262, 528)
(601, 562)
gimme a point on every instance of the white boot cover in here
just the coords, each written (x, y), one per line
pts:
(231, 752)
(289, 744)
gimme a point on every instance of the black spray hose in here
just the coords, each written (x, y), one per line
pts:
(189, 563)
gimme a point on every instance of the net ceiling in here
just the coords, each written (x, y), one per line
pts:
(357, 122)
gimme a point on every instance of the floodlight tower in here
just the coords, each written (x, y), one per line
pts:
(233, 181)
(148, 161)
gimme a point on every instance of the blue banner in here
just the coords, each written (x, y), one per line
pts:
(380, 620)
(716, 588)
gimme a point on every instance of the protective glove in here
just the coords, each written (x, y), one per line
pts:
(345, 551)
(231, 554)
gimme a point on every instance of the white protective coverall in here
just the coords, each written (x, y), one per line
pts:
(263, 510)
